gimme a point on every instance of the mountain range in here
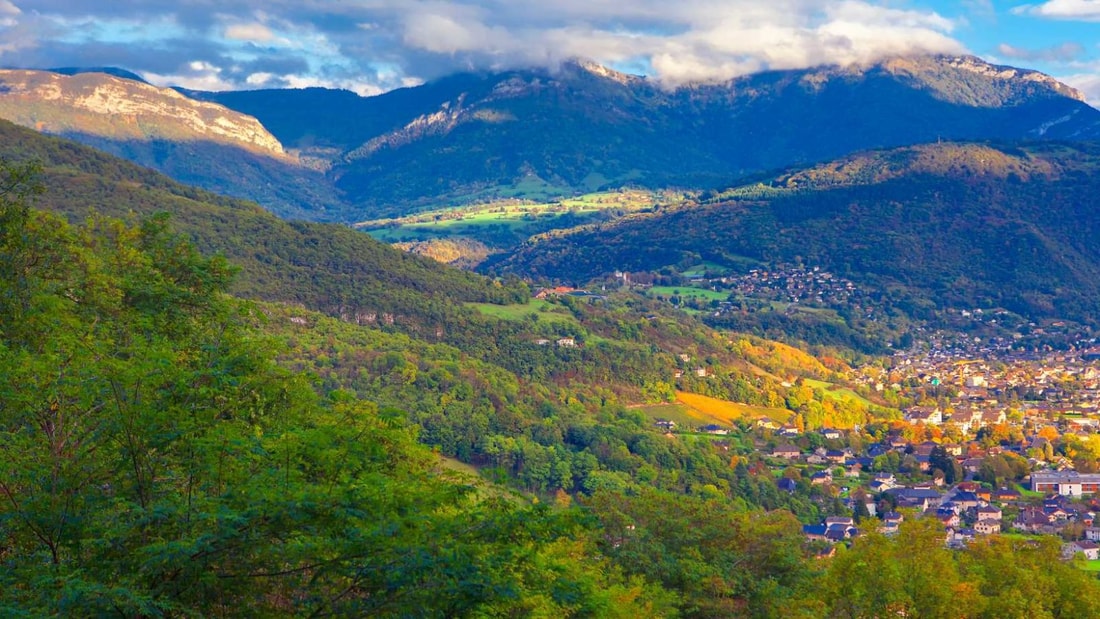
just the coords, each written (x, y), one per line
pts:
(542, 133)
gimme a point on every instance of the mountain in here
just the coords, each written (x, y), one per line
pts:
(539, 134)
(951, 225)
(197, 142)
(535, 133)
(115, 71)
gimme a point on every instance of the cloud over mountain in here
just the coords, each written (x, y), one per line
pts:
(374, 45)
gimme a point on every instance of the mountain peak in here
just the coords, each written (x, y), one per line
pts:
(112, 107)
(591, 67)
(113, 71)
(948, 74)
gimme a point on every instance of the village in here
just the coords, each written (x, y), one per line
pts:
(991, 446)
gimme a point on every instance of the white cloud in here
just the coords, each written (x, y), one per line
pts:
(254, 32)
(1088, 84)
(675, 41)
(689, 40)
(1087, 10)
(9, 9)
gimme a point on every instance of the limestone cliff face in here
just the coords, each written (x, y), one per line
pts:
(113, 108)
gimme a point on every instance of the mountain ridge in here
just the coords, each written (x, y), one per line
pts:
(543, 134)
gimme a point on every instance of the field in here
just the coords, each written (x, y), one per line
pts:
(1092, 566)
(707, 410)
(502, 223)
(687, 292)
(841, 394)
(521, 311)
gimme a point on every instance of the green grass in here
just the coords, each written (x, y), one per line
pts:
(520, 311)
(1028, 493)
(688, 292)
(508, 215)
(704, 268)
(838, 393)
(673, 412)
(1092, 566)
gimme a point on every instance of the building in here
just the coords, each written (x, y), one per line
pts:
(926, 415)
(1091, 550)
(1065, 483)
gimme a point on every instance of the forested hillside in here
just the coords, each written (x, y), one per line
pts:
(941, 225)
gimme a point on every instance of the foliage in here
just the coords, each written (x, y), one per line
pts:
(914, 574)
(155, 461)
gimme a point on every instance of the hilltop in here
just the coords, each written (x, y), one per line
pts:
(196, 142)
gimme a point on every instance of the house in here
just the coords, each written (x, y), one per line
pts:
(542, 342)
(920, 498)
(840, 520)
(890, 523)
(714, 429)
(830, 433)
(966, 500)
(789, 430)
(822, 477)
(787, 485)
(987, 527)
(1091, 550)
(960, 537)
(854, 471)
(886, 478)
(1005, 495)
(814, 532)
(926, 415)
(665, 424)
(1092, 534)
(988, 513)
(839, 533)
(836, 456)
(949, 519)
(567, 342)
(992, 418)
(1033, 520)
(788, 452)
(553, 292)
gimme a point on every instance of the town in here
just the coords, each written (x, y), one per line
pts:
(995, 445)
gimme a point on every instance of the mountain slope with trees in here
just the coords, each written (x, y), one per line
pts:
(947, 225)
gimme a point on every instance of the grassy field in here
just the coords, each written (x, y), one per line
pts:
(700, 270)
(687, 292)
(832, 391)
(520, 311)
(712, 410)
(1092, 566)
(508, 220)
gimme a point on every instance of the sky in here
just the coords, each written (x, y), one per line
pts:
(371, 46)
